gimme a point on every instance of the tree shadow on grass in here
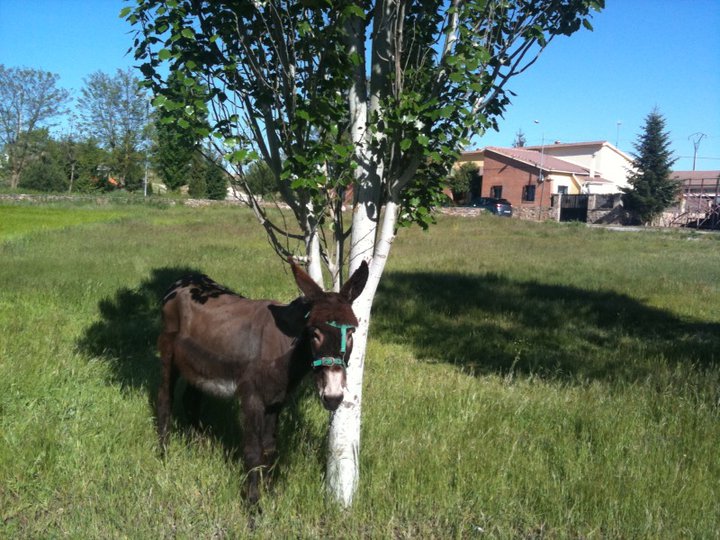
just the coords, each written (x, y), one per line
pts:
(125, 335)
(491, 324)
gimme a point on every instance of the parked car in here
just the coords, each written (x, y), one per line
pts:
(499, 207)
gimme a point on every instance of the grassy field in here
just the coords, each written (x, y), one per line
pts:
(523, 381)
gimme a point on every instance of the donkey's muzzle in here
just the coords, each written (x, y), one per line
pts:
(332, 402)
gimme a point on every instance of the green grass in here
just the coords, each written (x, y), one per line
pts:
(19, 220)
(523, 380)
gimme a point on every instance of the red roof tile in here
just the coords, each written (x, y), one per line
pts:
(540, 160)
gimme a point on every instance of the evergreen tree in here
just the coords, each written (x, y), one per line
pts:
(176, 143)
(520, 140)
(197, 177)
(216, 181)
(260, 179)
(172, 158)
(651, 189)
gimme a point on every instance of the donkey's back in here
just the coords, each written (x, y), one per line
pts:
(216, 338)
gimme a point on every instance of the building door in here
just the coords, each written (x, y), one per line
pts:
(574, 208)
(476, 185)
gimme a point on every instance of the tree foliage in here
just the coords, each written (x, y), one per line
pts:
(461, 178)
(114, 110)
(29, 100)
(277, 78)
(172, 156)
(44, 171)
(260, 179)
(176, 145)
(520, 140)
(651, 188)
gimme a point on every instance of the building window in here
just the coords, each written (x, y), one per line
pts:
(528, 193)
(496, 192)
(562, 190)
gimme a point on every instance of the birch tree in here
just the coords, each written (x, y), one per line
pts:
(365, 103)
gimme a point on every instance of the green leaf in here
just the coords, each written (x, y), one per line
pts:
(355, 10)
(188, 33)
(304, 28)
(124, 12)
(164, 54)
(355, 59)
(202, 132)
(238, 156)
(405, 144)
(342, 150)
(452, 60)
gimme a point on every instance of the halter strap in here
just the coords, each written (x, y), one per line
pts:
(333, 360)
(328, 361)
(343, 333)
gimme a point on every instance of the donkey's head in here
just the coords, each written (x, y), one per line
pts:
(330, 325)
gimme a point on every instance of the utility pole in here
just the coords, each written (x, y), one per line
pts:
(542, 153)
(541, 178)
(696, 138)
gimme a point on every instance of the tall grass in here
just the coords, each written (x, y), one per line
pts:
(523, 380)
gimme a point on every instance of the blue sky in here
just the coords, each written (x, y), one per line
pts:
(642, 54)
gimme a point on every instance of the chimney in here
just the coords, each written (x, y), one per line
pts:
(592, 165)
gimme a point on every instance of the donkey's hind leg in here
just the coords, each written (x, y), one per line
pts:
(167, 387)
(192, 401)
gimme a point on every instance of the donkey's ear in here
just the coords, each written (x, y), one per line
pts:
(355, 285)
(306, 284)
(292, 319)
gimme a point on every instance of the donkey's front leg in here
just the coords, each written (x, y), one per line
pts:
(253, 416)
(269, 436)
(165, 392)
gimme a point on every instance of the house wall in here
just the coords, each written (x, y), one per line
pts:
(603, 160)
(559, 180)
(513, 177)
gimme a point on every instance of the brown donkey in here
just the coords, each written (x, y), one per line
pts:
(256, 350)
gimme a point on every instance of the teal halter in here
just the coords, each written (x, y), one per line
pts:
(333, 360)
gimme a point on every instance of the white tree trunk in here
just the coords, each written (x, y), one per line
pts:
(343, 465)
(314, 262)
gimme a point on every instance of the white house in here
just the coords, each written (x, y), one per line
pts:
(600, 158)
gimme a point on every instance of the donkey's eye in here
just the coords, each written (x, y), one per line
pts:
(317, 337)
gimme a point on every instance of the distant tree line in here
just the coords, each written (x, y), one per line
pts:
(108, 138)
